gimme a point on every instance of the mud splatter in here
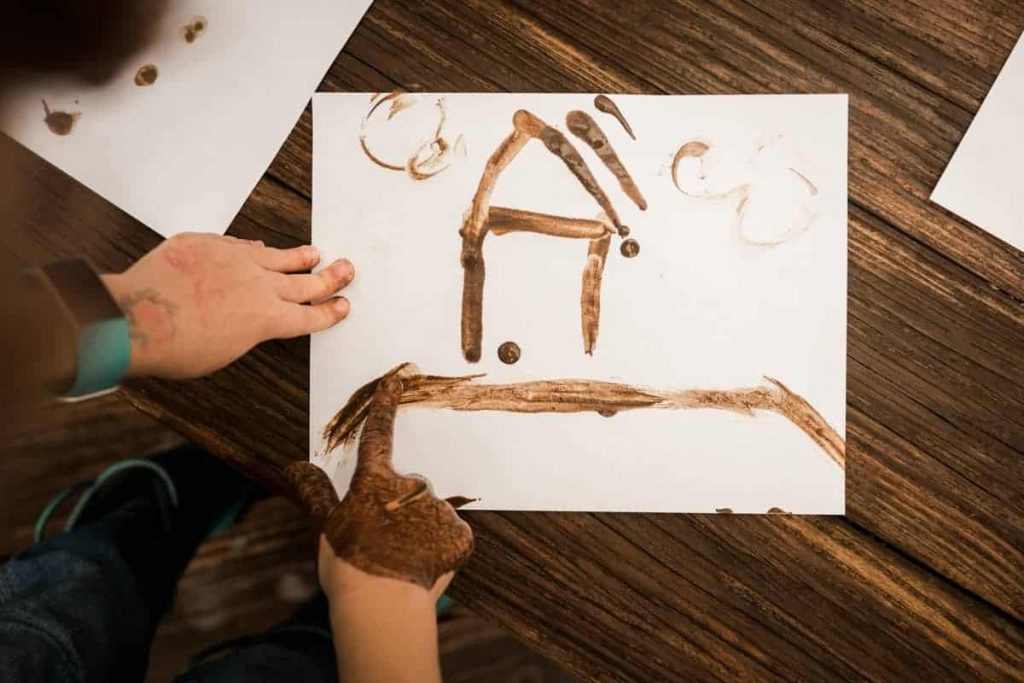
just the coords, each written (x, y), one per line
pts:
(578, 396)
(146, 75)
(604, 104)
(509, 353)
(629, 248)
(194, 29)
(60, 122)
(583, 126)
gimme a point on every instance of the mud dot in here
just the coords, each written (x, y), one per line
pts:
(191, 30)
(60, 122)
(776, 511)
(508, 353)
(630, 248)
(146, 75)
(724, 511)
(624, 230)
(607, 412)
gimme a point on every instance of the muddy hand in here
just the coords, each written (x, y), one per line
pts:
(388, 524)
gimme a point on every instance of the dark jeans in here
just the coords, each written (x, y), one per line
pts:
(84, 605)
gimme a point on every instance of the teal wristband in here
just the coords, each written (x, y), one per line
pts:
(103, 351)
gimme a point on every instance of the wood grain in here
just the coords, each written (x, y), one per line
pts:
(923, 577)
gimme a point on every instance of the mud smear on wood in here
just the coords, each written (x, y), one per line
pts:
(146, 75)
(388, 524)
(60, 122)
(429, 157)
(579, 396)
(194, 29)
(604, 104)
(481, 219)
(583, 126)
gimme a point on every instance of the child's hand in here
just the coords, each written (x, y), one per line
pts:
(198, 302)
(388, 526)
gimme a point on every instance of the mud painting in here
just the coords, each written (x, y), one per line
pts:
(625, 303)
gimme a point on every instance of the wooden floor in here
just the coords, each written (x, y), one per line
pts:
(248, 579)
(923, 578)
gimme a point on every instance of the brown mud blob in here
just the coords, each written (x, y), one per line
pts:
(509, 353)
(629, 248)
(777, 511)
(583, 126)
(383, 521)
(60, 122)
(724, 511)
(607, 413)
(579, 396)
(604, 104)
(194, 28)
(146, 75)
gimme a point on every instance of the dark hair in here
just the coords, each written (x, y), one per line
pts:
(87, 39)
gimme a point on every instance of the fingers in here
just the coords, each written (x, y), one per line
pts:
(302, 288)
(378, 431)
(296, 320)
(287, 260)
(313, 490)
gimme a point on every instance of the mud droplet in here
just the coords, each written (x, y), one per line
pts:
(630, 248)
(776, 511)
(724, 511)
(607, 412)
(191, 30)
(60, 122)
(146, 75)
(624, 230)
(508, 353)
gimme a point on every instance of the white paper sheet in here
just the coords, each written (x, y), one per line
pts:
(981, 184)
(699, 307)
(184, 153)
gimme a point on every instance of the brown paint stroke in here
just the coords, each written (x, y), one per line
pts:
(476, 222)
(387, 524)
(692, 149)
(578, 395)
(60, 122)
(502, 221)
(146, 75)
(430, 158)
(604, 104)
(590, 296)
(583, 126)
